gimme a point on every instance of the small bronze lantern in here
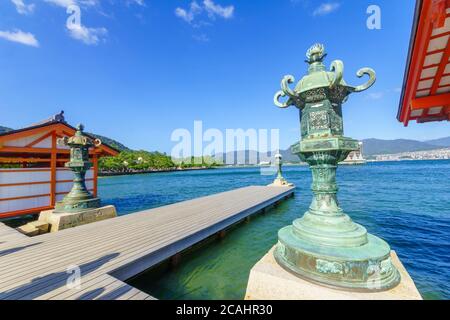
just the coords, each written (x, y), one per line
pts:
(325, 245)
(79, 198)
(280, 180)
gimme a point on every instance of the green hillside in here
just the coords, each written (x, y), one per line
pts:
(111, 142)
(4, 129)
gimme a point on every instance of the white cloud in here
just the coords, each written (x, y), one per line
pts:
(208, 6)
(76, 29)
(375, 95)
(138, 2)
(19, 36)
(189, 15)
(89, 3)
(66, 3)
(87, 35)
(216, 9)
(62, 3)
(23, 8)
(325, 8)
(201, 37)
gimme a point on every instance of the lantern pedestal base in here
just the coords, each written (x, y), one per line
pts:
(353, 264)
(77, 203)
(63, 220)
(269, 281)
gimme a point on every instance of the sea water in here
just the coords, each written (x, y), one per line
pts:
(406, 203)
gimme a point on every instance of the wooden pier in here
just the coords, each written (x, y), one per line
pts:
(109, 252)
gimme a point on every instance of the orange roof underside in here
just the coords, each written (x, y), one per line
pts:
(426, 89)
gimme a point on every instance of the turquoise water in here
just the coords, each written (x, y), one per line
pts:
(406, 203)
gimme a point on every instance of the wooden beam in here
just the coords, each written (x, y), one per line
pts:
(53, 171)
(441, 69)
(25, 160)
(431, 101)
(24, 170)
(7, 149)
(26, 133)
(25, 197)
(42, 138)
(36, 182)
(438, 13)
(16, 213)
(25, 150)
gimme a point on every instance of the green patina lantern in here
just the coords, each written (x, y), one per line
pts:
(325, 245)
(79, 198)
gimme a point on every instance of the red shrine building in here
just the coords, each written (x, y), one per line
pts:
(426, 87)
(32, 172)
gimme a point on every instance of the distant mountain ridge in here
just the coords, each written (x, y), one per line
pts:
(379, 146)
(443, 142)
(372, 147)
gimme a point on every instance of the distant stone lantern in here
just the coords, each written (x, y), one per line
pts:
(79, 198)
(325, 245)
(280, 180)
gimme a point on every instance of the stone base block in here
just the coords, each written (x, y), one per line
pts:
(28, 230)
(280, 183)
(269, 281)
(60, 221)
(34, 228)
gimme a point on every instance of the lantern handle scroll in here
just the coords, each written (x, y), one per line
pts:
(337, 66)
(97, 143)
(372, 77)
(285, 91)
(278, 103)
(62, 141)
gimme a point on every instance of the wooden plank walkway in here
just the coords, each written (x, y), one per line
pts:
(111, 251)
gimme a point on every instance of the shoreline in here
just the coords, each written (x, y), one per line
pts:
(289, 164)
(112, 174)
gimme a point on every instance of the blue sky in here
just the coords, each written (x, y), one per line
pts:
(135, 70)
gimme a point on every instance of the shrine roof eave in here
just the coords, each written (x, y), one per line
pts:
(425, 94)
(106, 149)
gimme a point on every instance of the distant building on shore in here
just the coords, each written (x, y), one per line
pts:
(437, 154)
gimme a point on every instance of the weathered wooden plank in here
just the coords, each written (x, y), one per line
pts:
(111, 251)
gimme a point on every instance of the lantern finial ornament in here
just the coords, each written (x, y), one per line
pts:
(316, 53)
(325, 245)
